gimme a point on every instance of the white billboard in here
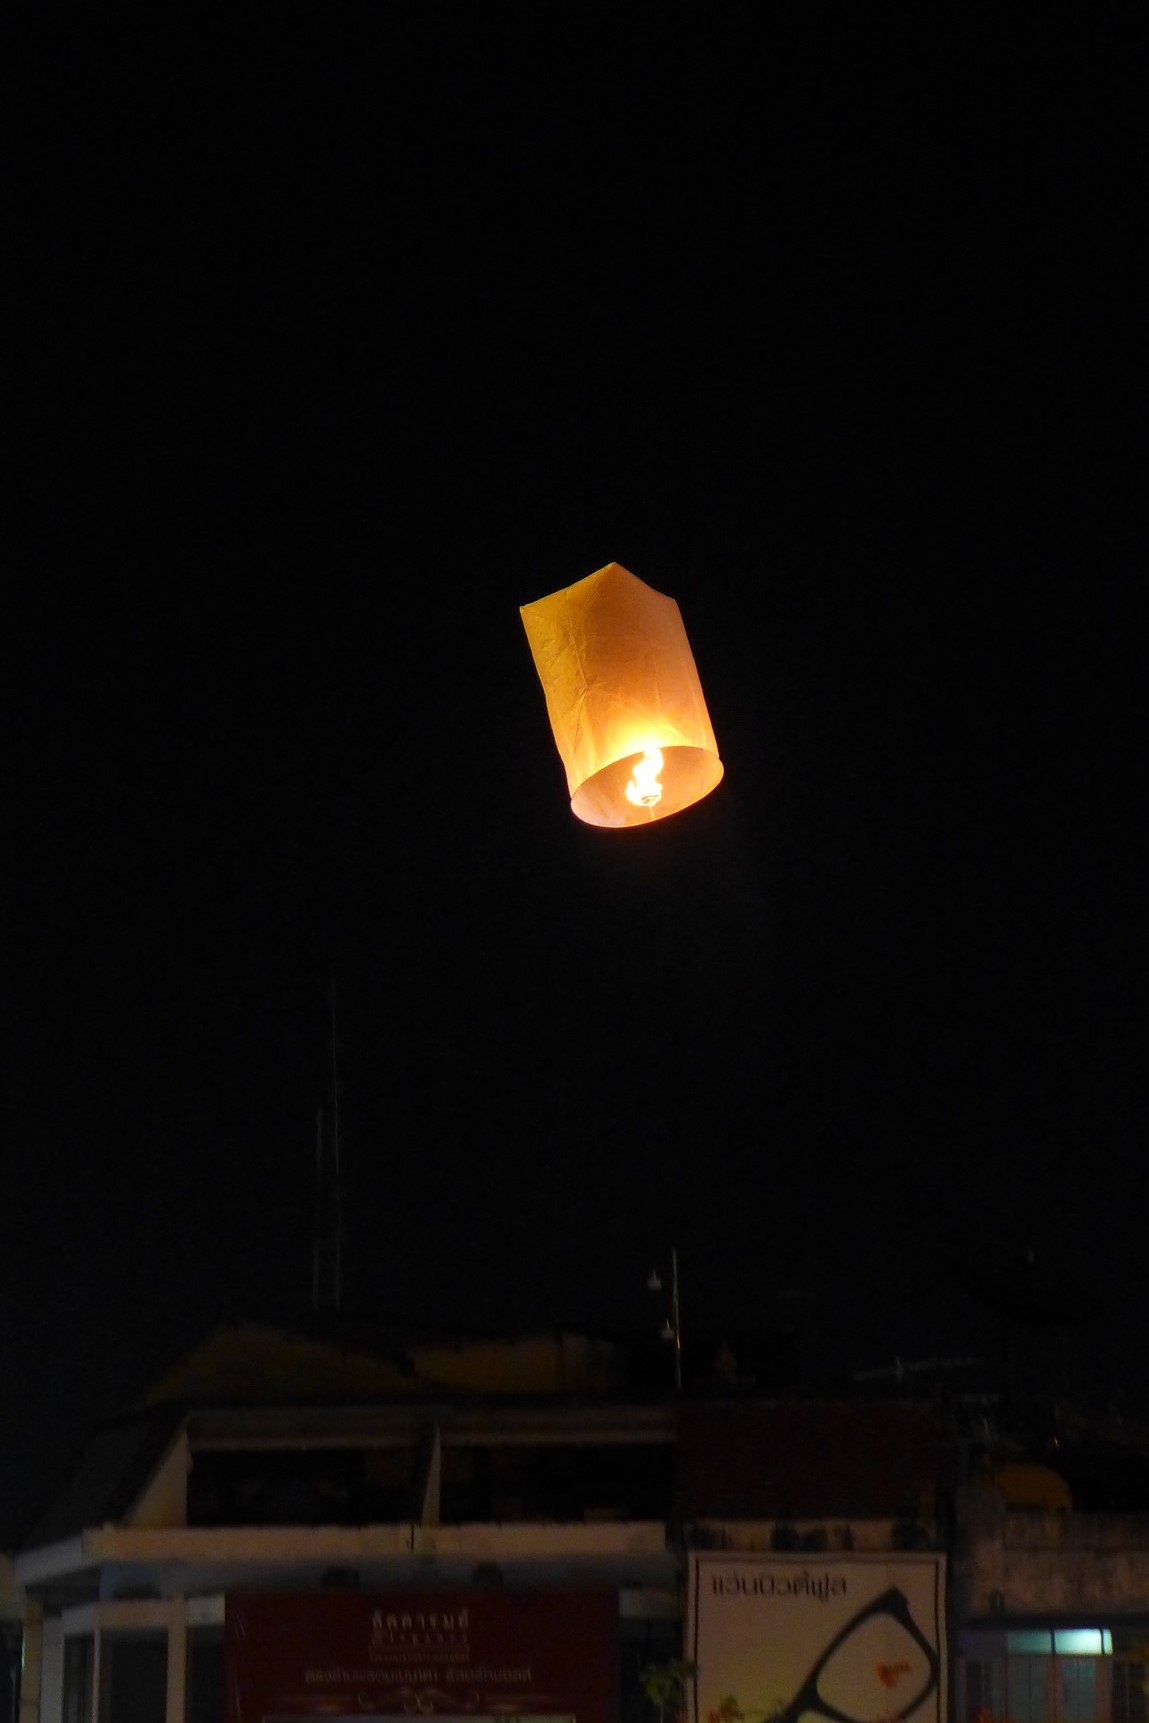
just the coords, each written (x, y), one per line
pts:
(811, 1638)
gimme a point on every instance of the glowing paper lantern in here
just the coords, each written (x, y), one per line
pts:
(624, 699)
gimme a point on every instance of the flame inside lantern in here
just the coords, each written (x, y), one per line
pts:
(643, 787)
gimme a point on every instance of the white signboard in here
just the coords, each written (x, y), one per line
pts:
(818, 1638)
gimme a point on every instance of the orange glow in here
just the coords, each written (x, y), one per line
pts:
(643, 788)
(623, 697)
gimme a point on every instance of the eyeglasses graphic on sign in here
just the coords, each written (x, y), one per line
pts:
(877, 1669)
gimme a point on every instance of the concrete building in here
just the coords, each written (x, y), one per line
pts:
(274, 1487)
(273, 1464)
(1051, 1612)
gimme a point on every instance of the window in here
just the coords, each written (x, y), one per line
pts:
(133, 1676)
(581, 1481)
(1082, 1641)
(205, 1675)
(984, 1688)
(1077, 1683)
(79, 1666)
(1130, 1701)
(302, 1487)
(1059, 1675)
(1028, 1689)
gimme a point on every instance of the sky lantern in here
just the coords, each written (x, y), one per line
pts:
(624, 699)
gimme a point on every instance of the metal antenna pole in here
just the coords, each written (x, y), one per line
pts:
(337, 1169)
(676, 1318)
(327, 1262)
(317, 1242)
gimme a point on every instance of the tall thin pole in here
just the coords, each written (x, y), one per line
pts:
(676, 1318)
(337, 1168)
(320, 1218)
(327, 1261)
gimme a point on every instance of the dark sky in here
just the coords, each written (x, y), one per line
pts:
(333, 336)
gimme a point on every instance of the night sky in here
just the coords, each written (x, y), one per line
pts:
(333, 336)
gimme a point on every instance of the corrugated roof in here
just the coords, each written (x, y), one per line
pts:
(253, 1365)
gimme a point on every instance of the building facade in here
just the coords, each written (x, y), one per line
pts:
(292, 1528)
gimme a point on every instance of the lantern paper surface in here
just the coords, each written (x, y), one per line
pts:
(624, 699)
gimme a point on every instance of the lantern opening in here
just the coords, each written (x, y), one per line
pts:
(643, 788)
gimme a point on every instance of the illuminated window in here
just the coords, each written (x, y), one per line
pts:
(1052, 1675)
(1032, 1641)
(1083, 1642)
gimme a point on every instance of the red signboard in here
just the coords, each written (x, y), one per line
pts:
(476, 1656)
